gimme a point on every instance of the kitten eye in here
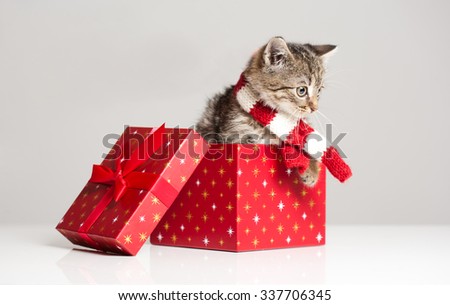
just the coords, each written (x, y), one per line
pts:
(302, 91)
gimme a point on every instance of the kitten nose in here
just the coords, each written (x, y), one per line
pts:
(313, 107)
(312, 103)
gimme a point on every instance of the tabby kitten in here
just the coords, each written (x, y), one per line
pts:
(288, 77)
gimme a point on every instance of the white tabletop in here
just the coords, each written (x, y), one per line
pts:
(38, 254)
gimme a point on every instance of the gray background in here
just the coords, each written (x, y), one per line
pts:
(73, 71)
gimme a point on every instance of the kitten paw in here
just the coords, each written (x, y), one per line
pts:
(310, 177)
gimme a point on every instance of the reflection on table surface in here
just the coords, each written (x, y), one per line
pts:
(170, 265)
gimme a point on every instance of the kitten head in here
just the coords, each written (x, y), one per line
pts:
(289, 76)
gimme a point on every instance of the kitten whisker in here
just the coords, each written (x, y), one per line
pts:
(337, 85)
(320, 126)
(297, 114)
(323, 115)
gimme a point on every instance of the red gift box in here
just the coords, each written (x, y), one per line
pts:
(242, 198)
(131, 190)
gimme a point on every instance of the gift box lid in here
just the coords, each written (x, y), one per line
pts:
(129, 192)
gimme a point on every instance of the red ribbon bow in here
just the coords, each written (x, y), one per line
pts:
(124, 177)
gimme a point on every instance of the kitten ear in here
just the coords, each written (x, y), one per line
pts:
(325, 51)
(276, 52)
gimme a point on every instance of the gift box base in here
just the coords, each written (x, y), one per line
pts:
(238, 203)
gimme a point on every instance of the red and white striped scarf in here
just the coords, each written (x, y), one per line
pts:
(300, 142)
